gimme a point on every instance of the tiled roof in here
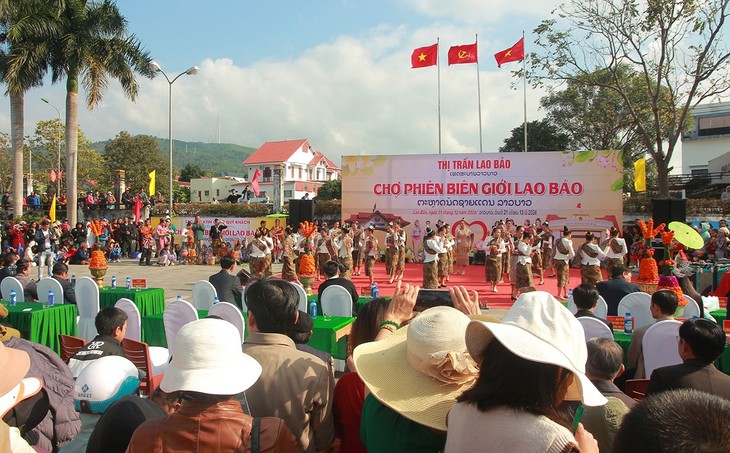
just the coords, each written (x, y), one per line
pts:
(274, 152)
(318, 156)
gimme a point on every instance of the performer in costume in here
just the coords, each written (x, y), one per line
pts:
(464, 244)
(548, 246)
(590, 261)
(390, 250)
(443, 255)
(257, 256)
(564, 253)
(277, 234)
(288, 271)
(399, 261)
(431, 251)
(371, 253)
(495, 248)
(343, 244)
(449, 243)
(615, 249)
(537, 256)
(514, 239)
(416, 235)
(323, 251)
(523, 268)
(357, 244)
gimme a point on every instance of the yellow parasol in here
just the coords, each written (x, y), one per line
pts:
(686, 235)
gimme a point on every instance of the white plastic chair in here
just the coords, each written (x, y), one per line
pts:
(593, 327)
(638, 304)
(50, 284)
(659, 346)
(177, 314)
(232, 314)
(203, 294)
(336, 301)
(159, 356)
(691, 309)
(302, 297)
(601, 310)
(134, 320)
(10, 283)
(87, 303)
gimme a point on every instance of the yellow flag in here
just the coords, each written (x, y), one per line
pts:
(640, 175)
(152, 182)
(52, 211)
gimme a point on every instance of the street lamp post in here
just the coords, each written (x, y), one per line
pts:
(190, 71)
(58, 139)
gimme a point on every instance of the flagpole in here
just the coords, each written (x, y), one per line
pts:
(438, 75)
(479, 93)
(524, 91)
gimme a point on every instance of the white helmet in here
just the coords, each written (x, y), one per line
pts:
(104, 381)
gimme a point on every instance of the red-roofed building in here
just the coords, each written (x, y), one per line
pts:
(304, 168)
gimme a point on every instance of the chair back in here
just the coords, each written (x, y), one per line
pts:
(69, 346)
(336, 301)
(177, 314)
(601, 310)
(638, 305)
(593, 327)
(302, 297)
(636, 388)
(87, 303)
(232, 314)
(134, 320)
(9, 283)
(659, 346)
(50, 284)
(138, 353)
(203, 294)
(691, 309)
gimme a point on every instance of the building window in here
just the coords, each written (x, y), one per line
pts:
(217, 192)
(700, 172)
(200, 196)
(716, 125)
(288, 194)
(207, 193)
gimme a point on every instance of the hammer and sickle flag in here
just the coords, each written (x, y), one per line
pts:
(463, 54)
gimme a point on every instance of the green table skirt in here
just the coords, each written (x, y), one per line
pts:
(719, 315)
(43, 325)
(324, 335)
(149, 301)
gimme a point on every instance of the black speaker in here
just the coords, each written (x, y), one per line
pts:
(669, 210)
(299, 211)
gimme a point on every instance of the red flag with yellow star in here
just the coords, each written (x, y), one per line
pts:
(425, 56)
(514, 53)
(463, 54)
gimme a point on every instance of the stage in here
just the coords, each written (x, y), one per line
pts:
(473, 279)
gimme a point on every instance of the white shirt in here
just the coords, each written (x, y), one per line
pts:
(586, 260)
(568, 245)
(524, 253)
(501, 249)
(611, 254)
(256, 252)
(436, 246)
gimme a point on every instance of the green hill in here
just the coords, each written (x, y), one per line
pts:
(216, 159)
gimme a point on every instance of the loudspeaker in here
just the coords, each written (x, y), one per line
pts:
(299, 211)
(669, 210)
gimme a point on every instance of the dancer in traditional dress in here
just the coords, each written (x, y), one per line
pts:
(590, 261)
(548, 245)
(443, 256)
(615, 249)
(288, 271)
(390, 250)
(564, 254)
(536, 256)
(449, 243)
(514, 253)
(523, 268)
(257, 256)
(431, 251)
(464, 244)
(416, 235)
(399, 261)
(358, 241)
(495, 248)
(277, 234)
(323, 251)
(343, 244)
(371, 253)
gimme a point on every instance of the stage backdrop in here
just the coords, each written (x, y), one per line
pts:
(582, 190)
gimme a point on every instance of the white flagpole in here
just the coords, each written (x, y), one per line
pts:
(438, 72)
(479, 93)
(524, 89)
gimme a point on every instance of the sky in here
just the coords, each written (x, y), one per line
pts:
(335, 72)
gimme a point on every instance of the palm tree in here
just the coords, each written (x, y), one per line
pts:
(24, 28)
(93, 45)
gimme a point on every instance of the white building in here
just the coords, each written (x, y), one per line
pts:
(304, 169)
(708, 139)
(204, 190)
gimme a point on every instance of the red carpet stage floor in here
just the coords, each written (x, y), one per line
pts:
(474, 279)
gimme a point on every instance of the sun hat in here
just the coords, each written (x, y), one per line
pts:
(540, 329)
(420, 369)
(104, 381)
(14, 387)
(208, 359)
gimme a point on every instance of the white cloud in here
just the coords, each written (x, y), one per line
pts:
(349, 96)
(482, 11)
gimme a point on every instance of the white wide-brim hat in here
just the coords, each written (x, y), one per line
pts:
(208, 359)
(540, 329)
(396, 374)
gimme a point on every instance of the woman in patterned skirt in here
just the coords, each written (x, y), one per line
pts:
(288, 271)
(494, 250)
(443, 256)
(564, 254)
(464, 243)
(590, 262)
(523, 269)
(431, 250)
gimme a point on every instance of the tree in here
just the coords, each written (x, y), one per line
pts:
(6, 161)
(330, 190)
(676, 46)
(23, 62)
(541, 136)
(93, 45)
(137, 156)
(190, 171)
